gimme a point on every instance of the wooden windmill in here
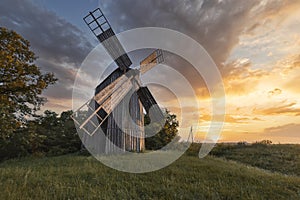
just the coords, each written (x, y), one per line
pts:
(120, 93)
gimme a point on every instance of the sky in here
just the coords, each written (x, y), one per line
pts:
(255, 45)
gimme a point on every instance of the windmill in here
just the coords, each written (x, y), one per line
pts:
(117, 106)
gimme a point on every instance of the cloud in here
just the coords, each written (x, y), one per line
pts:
(288, 65)
(257, 119)
(228, 119)
(57, 106)
(59, 45)
(275, 92)
(281, 108)
(216, 25)
(272, 11)
(293, 71)
(239, 77)
(51, 36)
(288, 130)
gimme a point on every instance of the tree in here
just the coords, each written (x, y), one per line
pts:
(47, 134)
(264, 142)
(21, 82)
(164, 136)
(59, 133)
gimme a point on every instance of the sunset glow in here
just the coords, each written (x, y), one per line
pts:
(255, 44)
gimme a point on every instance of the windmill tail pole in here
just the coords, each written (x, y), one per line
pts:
(191, 135)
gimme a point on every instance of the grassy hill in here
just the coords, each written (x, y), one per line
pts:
(82, 177)
(283, 158)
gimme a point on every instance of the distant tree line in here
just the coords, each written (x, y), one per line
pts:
(48, 134)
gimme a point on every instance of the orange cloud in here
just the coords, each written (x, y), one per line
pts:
(257, 119)
(286, 109)
(275, 92)
(229, 118)
(288, 64)
(294, 84)
(239, 78)
(288, 130)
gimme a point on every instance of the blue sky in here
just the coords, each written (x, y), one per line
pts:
(71, 10)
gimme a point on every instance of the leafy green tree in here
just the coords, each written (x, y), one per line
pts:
(58, 133)
(264, 142)
(21, 82)
(165, 135)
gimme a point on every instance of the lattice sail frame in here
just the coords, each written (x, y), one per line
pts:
(107, 99)
(101, 28)
(151, 61)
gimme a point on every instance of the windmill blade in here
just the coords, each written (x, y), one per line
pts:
(151, 61)
(88, 117)
(149, 103)
(107, 99)
(120, 84)
(101, 28)
(116, 97)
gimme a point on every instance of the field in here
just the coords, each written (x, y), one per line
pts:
(82, 177)
(282, 158)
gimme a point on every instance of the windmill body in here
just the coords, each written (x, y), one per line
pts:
(122, 135)
(117, 107)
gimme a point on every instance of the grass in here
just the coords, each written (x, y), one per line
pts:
(83, 177)
(277, 158)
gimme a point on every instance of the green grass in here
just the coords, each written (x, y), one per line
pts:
(277, 158)
(82, 177)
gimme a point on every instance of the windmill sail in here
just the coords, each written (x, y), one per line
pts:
(88, 120)
(151, 61)
(116, 97)
(108, 99)
(121, 85)
(149, 102)
(101, 28)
